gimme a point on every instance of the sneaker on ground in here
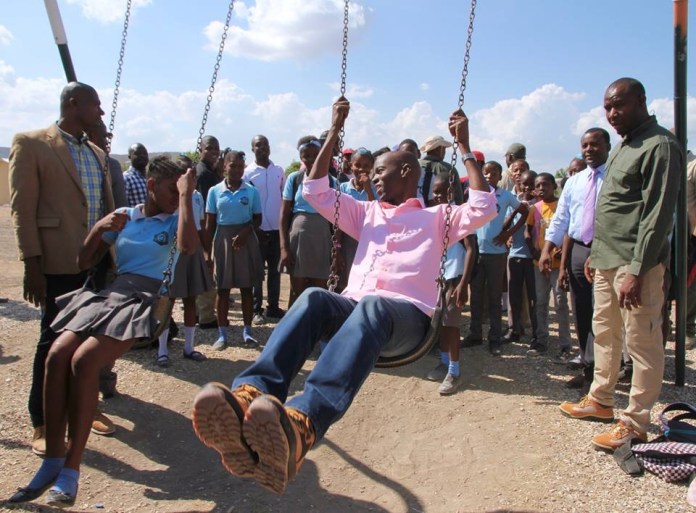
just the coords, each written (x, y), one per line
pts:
(438, 373)
(564, 355)
(576, 363)
(102, 425)
(259, 318)
(620, 433)
(495, 347)
(450, 384)
(511, 336)
(220, 344)
(576, 382)
(587, 409)
(537, 350)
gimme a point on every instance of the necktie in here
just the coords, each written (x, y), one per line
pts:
(588, 211)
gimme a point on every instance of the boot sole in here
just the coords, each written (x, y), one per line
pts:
(270, 435)
(587, 416)
(217, 421)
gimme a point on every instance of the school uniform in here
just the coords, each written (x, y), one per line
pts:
(122, 309)
(520, 278)
(234, 211)
(310, 234)
(454, 267)
(191, 275)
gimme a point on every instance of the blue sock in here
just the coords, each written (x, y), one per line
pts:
(47, 473)
(248, 337)
(67, 481)
(454, 368)
(222, 333)
(444, 358)
(247, 331)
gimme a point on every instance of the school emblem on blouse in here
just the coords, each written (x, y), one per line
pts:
(244, 201)
(161, 238)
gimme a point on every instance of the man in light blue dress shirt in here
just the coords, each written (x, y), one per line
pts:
(568, 220)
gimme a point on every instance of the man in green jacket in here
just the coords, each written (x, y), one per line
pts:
(630, 253)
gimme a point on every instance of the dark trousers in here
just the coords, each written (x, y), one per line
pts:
(489, 277)
(582, 303)
(269, 243)
(521, 273)
(56, 285)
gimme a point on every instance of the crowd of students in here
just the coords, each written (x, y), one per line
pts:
(243, 220)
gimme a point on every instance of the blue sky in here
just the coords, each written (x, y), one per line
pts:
(538, 69)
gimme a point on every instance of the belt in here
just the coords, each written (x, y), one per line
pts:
(581, 243)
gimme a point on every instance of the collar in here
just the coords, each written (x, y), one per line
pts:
(136, 171)
(645, 125)
(410, 203)
(256, 165)
(77, 141)
(431, 158)
(600, 169)
(242, 186)
(138, 212)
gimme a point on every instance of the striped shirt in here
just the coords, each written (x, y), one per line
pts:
(91, 176)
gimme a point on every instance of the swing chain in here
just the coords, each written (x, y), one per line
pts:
(211, 89)
(119, 70)
(450, 189)
(333, 275)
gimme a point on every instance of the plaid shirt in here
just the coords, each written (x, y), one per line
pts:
(136, 187)
(90, 171)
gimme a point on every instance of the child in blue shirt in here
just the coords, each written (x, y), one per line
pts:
(96, 328)
(492, 259)
(233, 212)
(458, 268)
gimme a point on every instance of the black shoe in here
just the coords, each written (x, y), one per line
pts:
(212, 325)
(626, 374)
(275, 313)
(511, 336)
(28, 494)
(577, 382)
(495, 347)
(471, 341)
(536, 348)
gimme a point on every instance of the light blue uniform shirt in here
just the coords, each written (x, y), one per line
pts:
(349, 189)
(454, 265)
(233, 207)
(571, 206)
(143, 246)
(519, 247)
(505, 201)
(300, 204)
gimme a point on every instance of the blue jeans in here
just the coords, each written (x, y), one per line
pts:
(356, 332)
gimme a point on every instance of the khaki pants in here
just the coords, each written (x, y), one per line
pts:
(643, 333)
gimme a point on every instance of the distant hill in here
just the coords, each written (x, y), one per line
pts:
(123, 159)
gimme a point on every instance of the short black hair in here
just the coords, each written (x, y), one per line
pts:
(526, 164)
(408, 141)
(633, 85)
(495, 164)
(601, 131)
(547, 176)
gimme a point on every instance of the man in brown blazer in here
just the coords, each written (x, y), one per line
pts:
(58, 190)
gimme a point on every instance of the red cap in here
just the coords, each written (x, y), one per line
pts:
(348, 151)
(479, 155)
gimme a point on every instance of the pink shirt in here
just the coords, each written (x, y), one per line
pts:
(399, 247)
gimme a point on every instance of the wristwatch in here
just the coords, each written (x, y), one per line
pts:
(467, 156)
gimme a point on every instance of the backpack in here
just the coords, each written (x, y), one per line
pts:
(672, 455)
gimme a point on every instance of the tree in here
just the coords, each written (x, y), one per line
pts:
(294, 166)
(561, 172)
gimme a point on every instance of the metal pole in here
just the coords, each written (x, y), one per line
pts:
(681, 10)
(61, 39)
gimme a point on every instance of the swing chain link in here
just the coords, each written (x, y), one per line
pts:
(334, 275)
(216, 69)
(119, 70)
(450, 189)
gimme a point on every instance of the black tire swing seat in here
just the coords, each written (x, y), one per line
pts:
(397, 353)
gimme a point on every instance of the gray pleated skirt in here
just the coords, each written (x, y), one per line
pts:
(236, 268)
(310, 243)
(191, 275)
(120, 311)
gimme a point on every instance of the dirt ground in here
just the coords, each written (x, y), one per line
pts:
(500, 444)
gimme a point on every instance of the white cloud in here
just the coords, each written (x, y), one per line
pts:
(424, 86)
(6, 36)
(353, 90)
(107, 11)
(286, 29)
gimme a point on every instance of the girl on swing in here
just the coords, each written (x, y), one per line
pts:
(385, 309)
(233, 212)
(96, 328)
(305, 236)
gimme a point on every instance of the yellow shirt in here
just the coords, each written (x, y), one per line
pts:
(539, 219)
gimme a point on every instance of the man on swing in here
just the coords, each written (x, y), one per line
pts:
(385, 309)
